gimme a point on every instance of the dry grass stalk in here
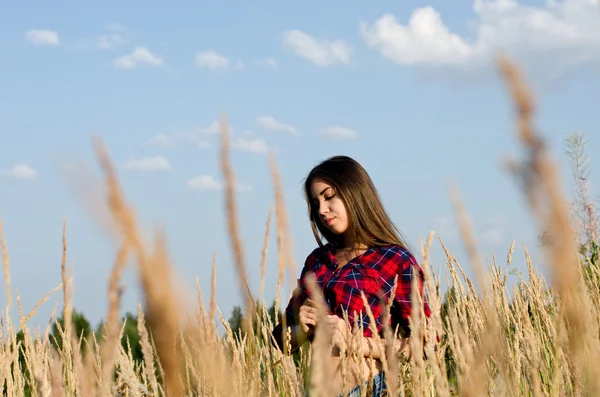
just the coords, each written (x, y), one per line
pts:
(56, 380)
(27, 345)
(67, 312)
(161, 302)
(284, 243)
(435, 328)
(5, 266)
(147, 352)
(417, 335)
(232, 222)
(263, 262)
(162, 312)
(279, 215)
(63, 272)
(40, 303)
(162, 307)
(390, 354)
(213, 288)
(41, 371)
(584, 208)
(475, 385)
(320, 371)
(112, 337)
(82, 385)
(468, 239)
(541, 185)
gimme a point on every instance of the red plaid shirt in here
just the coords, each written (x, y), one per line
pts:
(373, 272)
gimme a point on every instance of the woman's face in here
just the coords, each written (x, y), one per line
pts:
(329, 207)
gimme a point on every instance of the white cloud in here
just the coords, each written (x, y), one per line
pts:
(115, 27)
(424, 40)
(207, 182)
(114, 37)
(447, 228)
(243, 188)
(490, 231)
(494, 232)
(160, 140)
(272, 62)
(214, 61)
(204, 182)
(202, 143)
(196, 135)
(213, 128)
(318, 51)
(20, 171)
(493, 236)
(239, 65)
(139, 56)
(339, 133)
(156, 163)
(270, 124)
(110, 41)
(42, 37)
(554, 37)
(250, 143)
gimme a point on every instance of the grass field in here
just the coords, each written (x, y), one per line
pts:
(538, 338)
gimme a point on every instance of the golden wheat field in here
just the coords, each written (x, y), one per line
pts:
(538, 338)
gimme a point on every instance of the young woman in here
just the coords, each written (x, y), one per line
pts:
(363, 252)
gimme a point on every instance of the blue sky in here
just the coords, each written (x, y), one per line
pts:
(409, 90)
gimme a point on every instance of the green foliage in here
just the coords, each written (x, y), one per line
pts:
(236, 320)
(80, 325)
(130, 340)
(451, 365)
(20, 339)
(583, 206)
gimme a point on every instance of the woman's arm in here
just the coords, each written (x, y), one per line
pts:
(295, 320)
(300, 321)
(297, 337)
(370, 347)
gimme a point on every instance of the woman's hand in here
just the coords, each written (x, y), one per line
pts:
(338, 325)
(308, 316)
(339, 332)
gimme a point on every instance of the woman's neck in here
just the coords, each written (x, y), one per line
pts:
(349, 245)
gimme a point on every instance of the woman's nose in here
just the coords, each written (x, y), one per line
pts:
(323, 209)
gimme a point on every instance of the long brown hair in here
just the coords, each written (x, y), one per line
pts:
(368, 222)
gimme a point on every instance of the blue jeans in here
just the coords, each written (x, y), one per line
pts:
(378, 387)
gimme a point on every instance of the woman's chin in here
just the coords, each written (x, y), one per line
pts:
(335, 230)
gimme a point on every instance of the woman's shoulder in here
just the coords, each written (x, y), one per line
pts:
(395, 260)
(315, 256)
(397, 253)
(320, 249)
